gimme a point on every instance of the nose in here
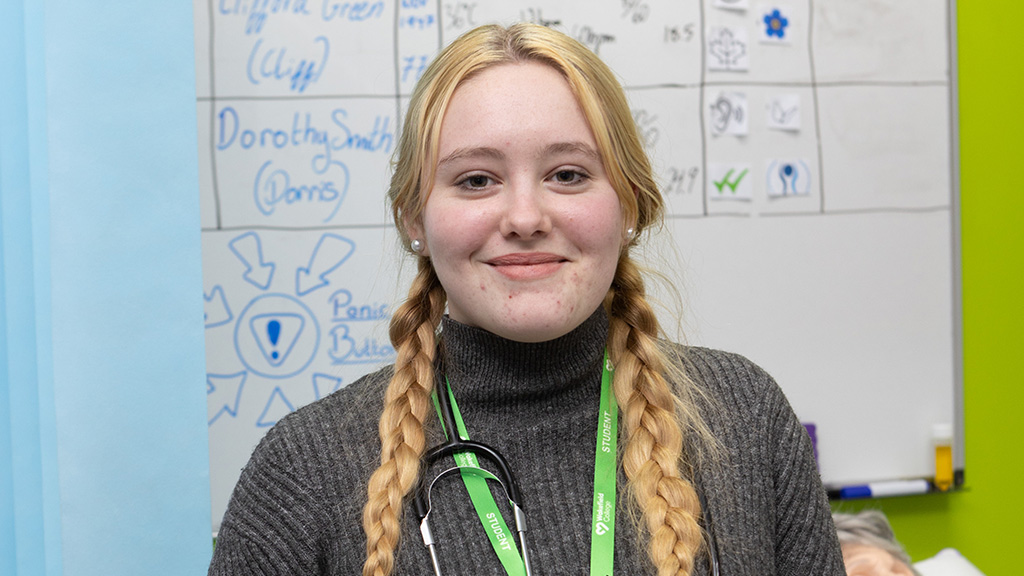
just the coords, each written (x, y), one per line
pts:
(526, 214)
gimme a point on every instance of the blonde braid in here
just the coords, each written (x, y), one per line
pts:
(406, 405)
(668, 504)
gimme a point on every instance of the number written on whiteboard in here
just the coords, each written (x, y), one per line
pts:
(421, 22)
(636, 11)
(681, 181)
(460, 14)
(676, 34)
(592, 38)
(536, 15)
(413, 67)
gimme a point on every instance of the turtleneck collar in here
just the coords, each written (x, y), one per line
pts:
(484, 367)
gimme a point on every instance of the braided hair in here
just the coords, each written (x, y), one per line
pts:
(655, 413)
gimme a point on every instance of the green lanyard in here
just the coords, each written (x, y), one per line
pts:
(602, 531)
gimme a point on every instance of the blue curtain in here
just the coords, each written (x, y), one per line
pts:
(103, 448)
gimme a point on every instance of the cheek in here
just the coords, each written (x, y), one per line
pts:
(602, 219)
(602, 236)
(439, 227)
(453, 234)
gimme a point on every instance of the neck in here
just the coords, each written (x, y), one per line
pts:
(484, 367)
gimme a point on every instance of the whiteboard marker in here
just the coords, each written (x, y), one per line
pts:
(887, 488)
(942, 439)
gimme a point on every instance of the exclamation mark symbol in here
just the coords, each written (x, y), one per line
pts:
(274, 332)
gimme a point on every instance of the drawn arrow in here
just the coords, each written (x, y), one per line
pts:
(278, 406)
(248, 249)
(223, 393)
(215, 308)
(330, 252)
(324, 384)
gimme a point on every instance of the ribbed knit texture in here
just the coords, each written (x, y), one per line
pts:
(297, 508)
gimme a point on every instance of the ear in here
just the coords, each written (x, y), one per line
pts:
(414, 230)
(635, 216)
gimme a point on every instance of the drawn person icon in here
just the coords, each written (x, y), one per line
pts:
(788, 176)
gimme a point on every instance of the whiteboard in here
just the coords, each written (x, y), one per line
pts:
(805, 149)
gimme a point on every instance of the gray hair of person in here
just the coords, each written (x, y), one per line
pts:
(870, 528)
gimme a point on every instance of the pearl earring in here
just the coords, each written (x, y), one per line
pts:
(416, 246)
(630, 234)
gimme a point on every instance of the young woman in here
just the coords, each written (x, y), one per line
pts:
(520, 186)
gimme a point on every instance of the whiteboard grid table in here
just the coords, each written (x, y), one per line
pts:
(809, 175)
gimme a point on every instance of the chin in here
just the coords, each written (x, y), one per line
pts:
(519, 334)
(538, 325)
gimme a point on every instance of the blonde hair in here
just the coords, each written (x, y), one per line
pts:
(653, 415)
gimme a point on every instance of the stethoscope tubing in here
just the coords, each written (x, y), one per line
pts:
(505, 477)
(455, 444)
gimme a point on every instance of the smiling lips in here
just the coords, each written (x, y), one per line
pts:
(527, 266)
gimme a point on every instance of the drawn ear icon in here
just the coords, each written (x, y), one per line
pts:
(721, 113)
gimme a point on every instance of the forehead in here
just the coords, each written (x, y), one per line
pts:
(513, 104)
(859, 557)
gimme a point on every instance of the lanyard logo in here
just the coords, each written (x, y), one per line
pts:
(601, 528)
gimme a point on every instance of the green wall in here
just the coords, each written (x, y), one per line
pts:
(984, 520)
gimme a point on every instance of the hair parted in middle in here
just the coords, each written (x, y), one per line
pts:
(654, 413)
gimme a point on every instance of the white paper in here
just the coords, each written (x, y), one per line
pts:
(730, 4)
(727, 49)
(775, 24)
(730, 181)
(788, 177)
(729, 114)
(783, 112)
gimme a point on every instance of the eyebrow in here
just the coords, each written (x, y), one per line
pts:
(495, 154)
(569, 148)
(463, 153)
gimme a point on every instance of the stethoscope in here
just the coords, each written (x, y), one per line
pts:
(421, 497)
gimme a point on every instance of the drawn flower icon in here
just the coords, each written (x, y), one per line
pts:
(775, 24)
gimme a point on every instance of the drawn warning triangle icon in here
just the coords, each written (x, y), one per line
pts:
(278, 406)
(276, 334)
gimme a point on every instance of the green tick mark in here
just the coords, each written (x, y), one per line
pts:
(731, 184)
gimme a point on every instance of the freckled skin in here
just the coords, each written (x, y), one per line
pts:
(521, 223)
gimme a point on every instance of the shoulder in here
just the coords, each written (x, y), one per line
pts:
(307, 476)
(726, 376)
(332, 441)
(764, 490)
(357, 398)
(738, 400)
(349, 414)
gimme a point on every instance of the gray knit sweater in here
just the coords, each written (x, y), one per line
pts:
(297, 508)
